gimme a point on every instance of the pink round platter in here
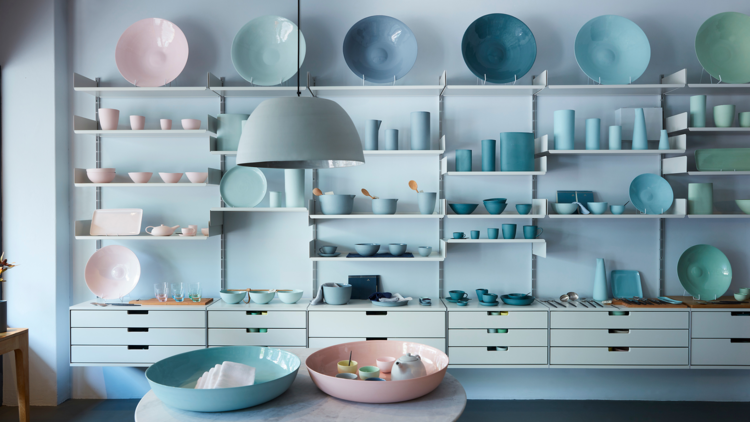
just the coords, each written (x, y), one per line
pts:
(112, 272)
(151, 52)
(322, 367)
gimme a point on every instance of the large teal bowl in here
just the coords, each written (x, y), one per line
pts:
(612, 50)
(173, 379)
(722, 45)
(380, 49)
(651, 194)
(705, 272)
(463, 208)
(495, 207)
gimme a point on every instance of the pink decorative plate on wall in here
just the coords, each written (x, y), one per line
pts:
(112, 272)
(151, 52)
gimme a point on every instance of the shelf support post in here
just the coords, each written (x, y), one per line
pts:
(98, 104)
(222, 169)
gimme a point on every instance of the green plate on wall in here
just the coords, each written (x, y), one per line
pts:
(723, 159)
(722, 45)
(705, 272)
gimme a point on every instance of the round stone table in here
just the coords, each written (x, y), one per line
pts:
(303, 401)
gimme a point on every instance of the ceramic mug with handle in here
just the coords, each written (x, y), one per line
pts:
(459, 235)
(532, 232)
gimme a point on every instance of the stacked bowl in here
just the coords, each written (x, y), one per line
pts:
(104, 175)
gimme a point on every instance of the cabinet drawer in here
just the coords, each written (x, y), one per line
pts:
(270, 319)
(275, 337)
(730, 324)
(720, 352)
(138, 318)
(591, 356)
(619, 338)
(644, 320)
(142, 336)
(126, 354)
(319, 343)
(492, 356)
(377, 324)
(514, 337)
(509, 319)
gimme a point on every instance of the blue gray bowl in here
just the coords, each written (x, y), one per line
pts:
(463, 208)
(523, 208)
(384, 206)
(617, 209)
(367, 249)
(380, 48)
(337, 295)
(397, 249)
(597, 208)
(425, 251)
(563, 208)
(494, 207)
(232, 297)
(173, 379)
(336, 204)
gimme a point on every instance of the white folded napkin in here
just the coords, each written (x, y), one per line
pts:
(583, 209)
(319, 297)
(227, 375)
(395, 297)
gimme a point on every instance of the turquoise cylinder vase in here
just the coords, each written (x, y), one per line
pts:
(516, 151)
(600, 281)
(488, 154)
(420, 130)
(371, 134)
(391, 139)
(593, 130)
(698, 111)
(463, 160)
(700, 198)
(640, 140)
(564, 129)
(615, 137)
(294, 188)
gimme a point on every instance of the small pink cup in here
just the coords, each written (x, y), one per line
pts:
(188, 231)
(137, 122)
(385, 364)
(166, 124)
(204, 231)
(109, 117)
(191, 124)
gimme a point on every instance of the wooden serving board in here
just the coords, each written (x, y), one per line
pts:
(692, 303)
(619, 302)
(154, 302)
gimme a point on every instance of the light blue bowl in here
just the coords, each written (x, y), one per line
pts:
(463, 208)
(651, 194)
(367, 249)
(397, 249)
(495, 207)
(500, 47)
(523, 208)
(617, 209)
(597, 207)
(292, 296)
(612, 50)
(337, 295)
(336, 204)
(379, 48)
(232, 298)
(262, 297)
(425, 251)
(173, 379)
(563, 209)
(384, 206)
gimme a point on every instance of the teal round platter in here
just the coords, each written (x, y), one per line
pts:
(243, 187)
(173, 379)
(612, 50)
(390, 304)
(722, 45)
(517, 301)
(264, 51)
(498, 47)
(495, 303)
(380, 48)
(704, 271)
(651, 194)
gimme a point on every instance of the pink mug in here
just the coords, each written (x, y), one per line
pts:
(109, 117)
(137, 122)
(187, 231)
(166, 124)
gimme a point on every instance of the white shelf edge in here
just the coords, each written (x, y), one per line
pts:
(677, 210)
(262, 210)
(490, 216)
(714, 216)
(81, 180)
(84, 126)
(506, 241)
(81, 228)
(375, 216)
(405, 152)
(435, 256)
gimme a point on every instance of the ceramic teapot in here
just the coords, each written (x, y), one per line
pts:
(407, 367)
(161, 230)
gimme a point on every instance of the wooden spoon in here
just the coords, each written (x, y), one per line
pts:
(413, 185)
(365, 193)
(317, 192)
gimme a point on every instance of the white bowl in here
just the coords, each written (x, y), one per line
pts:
(196, 176)
(100, 176)
(140, 176)
(170, 177)
(191, 124)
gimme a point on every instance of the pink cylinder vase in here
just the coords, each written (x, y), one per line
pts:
(137, 122)
(109, 117)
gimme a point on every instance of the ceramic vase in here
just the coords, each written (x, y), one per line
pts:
(274, 199)
(427, 202)
(564, 129)
(663, 140)
(516, 151)
(391, 139)
(615, 137)
(463, 160)
(488, 154)
(600, 281)
(420, 130)
(371, 134)
(593, 129)
(700, 198)
(229, 131)
(698, 111)
(639, 130)
(294, 188)
(3, 316)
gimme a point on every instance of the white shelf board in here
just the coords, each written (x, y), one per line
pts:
(491, 90)
(82, 228)
(283, 210)
(715, 89)
(223, 152)
(256, 91)
(678, 124)
(678, 165)
(378, 90)
(508, 241)
(88, 86)
(616, 152)
(410, 153)
(509, 215)
(366, 305)
(81, 180)
(718, 173)
(436, 255)
(677, 210)
(369, 215)
(712, 216)
(669, 83)
(84, 126)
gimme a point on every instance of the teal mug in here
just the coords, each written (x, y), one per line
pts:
(509, 231)
(459, 235)
(475, 234)
(532, 232)
(458, 294)
(481, 292)
(489, 298)
(493, 233)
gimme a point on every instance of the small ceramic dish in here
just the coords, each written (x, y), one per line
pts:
(191, 124)
(597, 208)
(366, 372)
(261, 297)
(565, 208)
(196, 176)
(99, 176)
(170, 177)
(385, 364)
(345, 367)
(231, 297)
(740, 297)
(367, 249)
(346, 376)
(617, 209)
(290, 296)
(523, 209)
(140, 176)
(462, 303)
(329, 255)
(425, 251)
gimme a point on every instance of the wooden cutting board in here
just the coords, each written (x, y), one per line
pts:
(692, 303)
(154, 302)
(619, 302)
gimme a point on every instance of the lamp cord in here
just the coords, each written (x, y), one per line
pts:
(298, 42)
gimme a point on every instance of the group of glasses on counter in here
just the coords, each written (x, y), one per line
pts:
(164, 290)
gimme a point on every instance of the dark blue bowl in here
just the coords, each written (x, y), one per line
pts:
(495, 207)
(380, 47)
(463, 208)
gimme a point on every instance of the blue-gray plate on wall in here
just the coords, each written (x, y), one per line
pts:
(612, 50)
(705, 272)
(651, 194)
(499, 47)
(243, 187)
(379, 48)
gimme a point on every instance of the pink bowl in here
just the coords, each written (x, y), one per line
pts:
(101, 170)
(204, 231)
(385, 364)
(170, 177)
(151, 52)
(140, 176)
(191, 124)
(322, 367)
(100, 176)
(108, 118)
(196, 176)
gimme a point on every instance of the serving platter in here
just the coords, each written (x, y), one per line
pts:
(151, 52)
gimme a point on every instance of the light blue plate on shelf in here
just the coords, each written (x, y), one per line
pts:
(499, 47)
(651, 194)
(612, 50)
(705, 272)
(243, 187)
(626, 283)
(173, 379)
(264, 51)
(379, 48)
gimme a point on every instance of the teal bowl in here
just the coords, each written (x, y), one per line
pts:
(496, 200)
(524, 300)
(744, 205)
(397, 249)
(523, 209)
(463, 208)
(232, 298)
(173, 379)
(704, 271)
(565, 208)
(494, 207)
(290, 296)
(617, 209)
(597, 208)
(262, 297)
(367, 249)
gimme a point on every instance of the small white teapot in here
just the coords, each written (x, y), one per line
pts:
(161, 230)
(407, 367)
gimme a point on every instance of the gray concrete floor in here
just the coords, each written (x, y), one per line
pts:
(476, 410)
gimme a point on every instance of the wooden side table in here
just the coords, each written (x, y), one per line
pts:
(17, 340)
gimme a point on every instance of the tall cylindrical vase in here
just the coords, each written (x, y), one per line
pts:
(698, 111)
(420, 130)
(371, 134)
(615, 137)
(516, 151)
(564, 129)
(600, 281)
(463, 160)
(700, 198)
(640, 140)
(488, 154)
(593, 130)
(294, 187)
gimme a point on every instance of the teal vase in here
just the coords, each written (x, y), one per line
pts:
(294, 188)
(600, 281)
(663, 140)
(516, 151)
(639, 130)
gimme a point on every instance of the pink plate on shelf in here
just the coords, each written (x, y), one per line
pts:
(112, 272)
(322, 367)
(151, 52)
(116, 222)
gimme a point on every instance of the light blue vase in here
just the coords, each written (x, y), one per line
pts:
(463, 160)
(639, 130)
(615, 137)
(488, 154)
(600, 281)
(663, 140)
(371, 134)
(698, 111)
(564, 129)
(516, 151)
(391, 139)
(593, 129)
(294, 188)
(420, 130)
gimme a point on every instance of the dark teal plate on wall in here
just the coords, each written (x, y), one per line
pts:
(723, 159)
(499, 47)
(705, 272)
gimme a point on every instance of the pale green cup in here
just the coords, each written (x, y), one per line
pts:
(744, 118)
(724, 115)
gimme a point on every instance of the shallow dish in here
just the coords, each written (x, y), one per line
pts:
(390, 304)
(173, 379)
(744, 205)
(495, 303)
(625, 283)
(329, 255)
(232, 298)
(499, 48)
(264, 51)
(151, 52)
(261, 297)
(290, 296)
(562, 208)
(140, 176)
(651, 194)
(197, 176)
(112, 272)
(322, 368)
(380, 49)
(722, 45)
(704, 271)
(723, 159)
(116, 222)
(243, 187)
(517, 301)
(463, 208)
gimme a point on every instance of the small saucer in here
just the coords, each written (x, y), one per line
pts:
(495, 303)
(452, 300)
(329, 255)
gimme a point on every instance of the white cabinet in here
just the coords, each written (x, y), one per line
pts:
(720, 338)
(320, 342)
(275, 324)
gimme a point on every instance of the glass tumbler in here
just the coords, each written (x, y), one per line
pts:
(194, 292)
(161, 290)
(178, 292)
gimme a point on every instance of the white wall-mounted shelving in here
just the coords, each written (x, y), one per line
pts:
(668, 84)
(282, 210)
(84, 126)
(538, 246)
(677, 145)
(538, 210)
(88, 86)
(679, 165)
(714, 216)
(435, 256)
(496, 90)
(678, 124)
(541, 145)
(439, 213)
(713, 89)
(408, 152)
(216, 86)
(82, 230)
(80, 180)
(678, 210)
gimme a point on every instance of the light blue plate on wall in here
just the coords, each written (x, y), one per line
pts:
(500, 47)
(380, 47)
(173, 379)
(705, 272)
(264, 51)
(612, 50)
(651, 194)
(626, 283)
(243, 187)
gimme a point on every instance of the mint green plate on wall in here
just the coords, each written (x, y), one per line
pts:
(243, 187)
(723, 159)
(722, 45)
(705, 272)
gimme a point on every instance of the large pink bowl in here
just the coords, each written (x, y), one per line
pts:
(151, 52)
(322, 368)
(112, 272)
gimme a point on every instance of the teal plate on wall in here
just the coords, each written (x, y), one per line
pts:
(243, 187)
(726, 159)
(722, 45)
(626, 284)
(705, 272)
(651, 194)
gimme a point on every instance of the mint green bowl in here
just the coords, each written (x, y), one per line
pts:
(262, 297)
(744, 205)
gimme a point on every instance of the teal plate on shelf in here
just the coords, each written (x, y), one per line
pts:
(243, 187)
(626, 284)
(453, 300)
(651, 194)
(722, 45)
(329, 255)
(495, 303)
(723, 159)
(390, 304)
(705, 272)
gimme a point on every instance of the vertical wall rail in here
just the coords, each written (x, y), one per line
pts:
(662, 222)
(314, 234)
(533, 196)
(441, 196)
(98, 104)
(222, 168)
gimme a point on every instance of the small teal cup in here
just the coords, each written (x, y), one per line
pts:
(463, 160)
(427, 202)
(425, 251)
(615, 137)
(481, 292)
(475, 234)
(523, 208)
(493, 233)
(532, 232)
(489, 298)
(509, 231)
(459, 235)
(458, 294)
(617, 209)
(327, 249)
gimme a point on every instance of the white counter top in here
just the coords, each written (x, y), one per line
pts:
(366, 305)
(87, 306)
(274, 305)
(475, 306)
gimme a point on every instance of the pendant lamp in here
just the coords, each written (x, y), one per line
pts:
(299, 133)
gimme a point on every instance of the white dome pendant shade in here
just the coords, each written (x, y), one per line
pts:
(299, 133)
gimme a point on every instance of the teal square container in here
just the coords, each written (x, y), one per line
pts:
(516, 151)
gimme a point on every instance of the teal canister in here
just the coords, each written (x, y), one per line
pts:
(420, 130)
(615, 137)
(427, 202)
(698, 111)
(600, 281)
(640, 140)
(564, 129)
(371, 134)
(294, 188)
(593, 129)
(391, 139)
(488, 154)
(700, 198)
(463, 160)
(516, 151)
(744, 119)
(229, 131)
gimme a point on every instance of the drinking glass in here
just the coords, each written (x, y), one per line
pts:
(161, 290)
(177, 290)
(194, 292)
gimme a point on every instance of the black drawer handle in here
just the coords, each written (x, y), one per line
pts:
(497, 349)
(740, 313)
(137, 312)
(255, 313)
(612, 313)
(740, 340)
(619, 331)
(619, 349)
(376, 312)
(137, 330)
(247, 330)
(376, 338)
(137, 347)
